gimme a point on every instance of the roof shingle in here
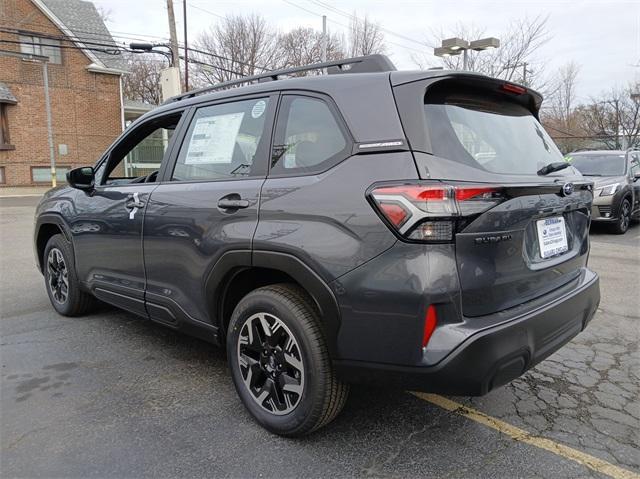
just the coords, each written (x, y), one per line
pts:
(84, 21)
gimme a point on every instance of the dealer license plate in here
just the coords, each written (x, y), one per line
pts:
(552, 236)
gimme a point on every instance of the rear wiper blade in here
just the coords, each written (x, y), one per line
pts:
(551, 167)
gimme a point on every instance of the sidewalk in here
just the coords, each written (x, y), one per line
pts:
(14, 191)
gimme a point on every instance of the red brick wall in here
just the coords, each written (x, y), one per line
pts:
(85, 106)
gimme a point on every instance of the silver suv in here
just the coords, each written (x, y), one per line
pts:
(616, 198)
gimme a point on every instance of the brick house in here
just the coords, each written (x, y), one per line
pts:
(84, 88)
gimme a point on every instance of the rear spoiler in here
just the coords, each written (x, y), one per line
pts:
(524, 95)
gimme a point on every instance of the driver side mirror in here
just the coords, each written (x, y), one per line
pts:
(82, 178)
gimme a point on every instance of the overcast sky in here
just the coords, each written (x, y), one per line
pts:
(603, 37)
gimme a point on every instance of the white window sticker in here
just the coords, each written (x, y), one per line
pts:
(258, 109)
(213, 139)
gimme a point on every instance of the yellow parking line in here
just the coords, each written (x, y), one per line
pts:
(598, 465)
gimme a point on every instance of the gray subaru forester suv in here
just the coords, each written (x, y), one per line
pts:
(616, 195)
(414, 229)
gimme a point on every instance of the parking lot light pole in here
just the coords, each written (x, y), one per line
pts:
(456, 46)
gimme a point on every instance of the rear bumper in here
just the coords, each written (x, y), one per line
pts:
(491, 357)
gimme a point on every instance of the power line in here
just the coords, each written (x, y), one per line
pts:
(198, 62)
(355, 18)
(107, 36)
(205, 10)
(114, 46)
(346, 26)
(114, 50)
(60, 38)
(214, 55)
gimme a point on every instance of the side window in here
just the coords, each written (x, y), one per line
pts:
(309, 137)
(223, 142)
(635, 164)
(138, 156)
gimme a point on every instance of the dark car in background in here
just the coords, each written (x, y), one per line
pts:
(415, 229)
(616, 195)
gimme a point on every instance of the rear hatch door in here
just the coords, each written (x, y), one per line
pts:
(521, 234)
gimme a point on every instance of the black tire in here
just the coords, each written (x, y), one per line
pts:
(621, 225)
(323, 395)
(69, 300)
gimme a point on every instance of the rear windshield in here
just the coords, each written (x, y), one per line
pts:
(492, 134)
(598, 165)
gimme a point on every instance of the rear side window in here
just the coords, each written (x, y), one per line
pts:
(635, 164)
(309, 137)
(223, 142)
(487, 131)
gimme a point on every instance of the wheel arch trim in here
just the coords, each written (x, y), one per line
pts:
(50, 219)
(232, 262)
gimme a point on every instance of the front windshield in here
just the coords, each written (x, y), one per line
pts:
(496, 136)
(598, 165)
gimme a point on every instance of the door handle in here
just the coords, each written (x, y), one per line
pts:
(232, 204)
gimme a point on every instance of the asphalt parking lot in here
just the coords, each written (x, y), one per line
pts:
(111, 395)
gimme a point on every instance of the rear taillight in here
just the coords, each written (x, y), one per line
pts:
(431, 212)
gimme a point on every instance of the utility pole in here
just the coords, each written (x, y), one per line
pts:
(186, 49)
(47, 105)
(324, 41)
(175, 56)
(324, 38)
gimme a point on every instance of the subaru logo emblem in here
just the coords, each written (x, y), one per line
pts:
(567, 189)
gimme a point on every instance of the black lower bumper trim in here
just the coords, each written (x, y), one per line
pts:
(491, 357)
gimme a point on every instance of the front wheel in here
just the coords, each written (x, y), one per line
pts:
(622, 224)
(61, 281)
(280, 363)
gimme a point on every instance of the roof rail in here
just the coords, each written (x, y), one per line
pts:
(365, 64)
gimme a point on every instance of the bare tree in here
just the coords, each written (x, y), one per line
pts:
(561, 102)
(513, 61)
(614, 117)
(142, 83)
(104, 13)
(365, 37)
(303, 46)
(560, 113)
(238, 45)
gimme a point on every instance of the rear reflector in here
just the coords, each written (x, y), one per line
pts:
(430, 322)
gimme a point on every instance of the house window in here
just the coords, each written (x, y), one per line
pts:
(3, 179)
(46, 47)
(42, 174)
(5, 143)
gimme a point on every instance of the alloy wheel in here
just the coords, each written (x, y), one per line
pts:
(58, 276)
(271, 364)
(624, 216)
